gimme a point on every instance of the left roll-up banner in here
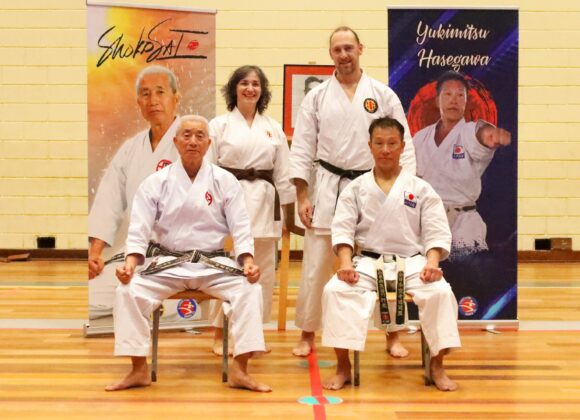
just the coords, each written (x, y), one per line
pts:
(146, 66)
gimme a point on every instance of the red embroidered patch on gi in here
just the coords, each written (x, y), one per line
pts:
(370, 105)
(410, 199)
(458, 152)
(162, 164)
(208, 198)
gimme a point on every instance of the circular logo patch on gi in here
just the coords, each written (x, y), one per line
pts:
(370, 105)
(186, 308)
(162, 164)
(468, 306)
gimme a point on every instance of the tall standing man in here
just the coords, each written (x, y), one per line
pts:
(140, 156)
(329, 149)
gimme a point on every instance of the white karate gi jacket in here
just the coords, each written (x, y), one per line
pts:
(454, 169)
(133, 162)
(408, 221)
(332, 128)
(185, 215)
(263, 146)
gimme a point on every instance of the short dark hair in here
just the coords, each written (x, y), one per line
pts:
(451, 75)
(229, 89)
(344, 29)
(387, 122)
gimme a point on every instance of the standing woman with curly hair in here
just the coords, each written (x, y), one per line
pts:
(254, 148)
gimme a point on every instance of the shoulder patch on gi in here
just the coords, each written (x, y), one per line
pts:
(410, 199)
(458, 151)
(162, 164)
(370, 105)
(208, 198)
(269, 133)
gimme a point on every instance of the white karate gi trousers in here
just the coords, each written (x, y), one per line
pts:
(136, 301)
(347, 310)
(265, 258)
(318, 265)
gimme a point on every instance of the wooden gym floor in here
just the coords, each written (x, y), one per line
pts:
(49, 370)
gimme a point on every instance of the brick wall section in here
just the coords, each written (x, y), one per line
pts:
(43, 162)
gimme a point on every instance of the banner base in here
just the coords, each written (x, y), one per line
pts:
(97, 331)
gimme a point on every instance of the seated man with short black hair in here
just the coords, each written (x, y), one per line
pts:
(394, 215)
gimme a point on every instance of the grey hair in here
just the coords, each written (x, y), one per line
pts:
(187, 118)
(157, 70)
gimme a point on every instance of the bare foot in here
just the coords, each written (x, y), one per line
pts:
(304, 346)
(135, 379)
(337, 381)
(439, 376)
(395, 348)
(218, 348)
(239, 379)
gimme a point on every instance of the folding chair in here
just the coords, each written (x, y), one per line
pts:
(198, 297)
(425, 353)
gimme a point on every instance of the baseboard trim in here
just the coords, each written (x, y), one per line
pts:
(554, 255)
(48, 254)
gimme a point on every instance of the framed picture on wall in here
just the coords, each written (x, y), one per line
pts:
(299, 79)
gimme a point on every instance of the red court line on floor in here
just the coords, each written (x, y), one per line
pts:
(316, 385)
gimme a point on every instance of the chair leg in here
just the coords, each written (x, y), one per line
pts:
(356, 368)
(426, 360)
(225, 350)
(155, 337)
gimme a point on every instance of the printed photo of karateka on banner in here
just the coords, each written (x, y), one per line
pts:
(456, 73)
(146, 66)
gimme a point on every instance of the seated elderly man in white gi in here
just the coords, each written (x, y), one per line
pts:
(189, 205)
(390, 214)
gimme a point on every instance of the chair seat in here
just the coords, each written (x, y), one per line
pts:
(196, 295)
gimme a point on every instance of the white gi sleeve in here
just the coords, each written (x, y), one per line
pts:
(286, 190)
(479, 153)
(435, 232)
(304, 141)
(345, 217)
(110, 201)
(143, 215)
(237, 215)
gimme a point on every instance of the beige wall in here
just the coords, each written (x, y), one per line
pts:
(43, 162)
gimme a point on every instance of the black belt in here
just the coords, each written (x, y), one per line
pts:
(154, 249)
(466, 208)
(252, 174)
(376, 255)
(343, 173)
(371, 254)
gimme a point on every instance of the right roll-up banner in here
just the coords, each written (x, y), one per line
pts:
(456, 73)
